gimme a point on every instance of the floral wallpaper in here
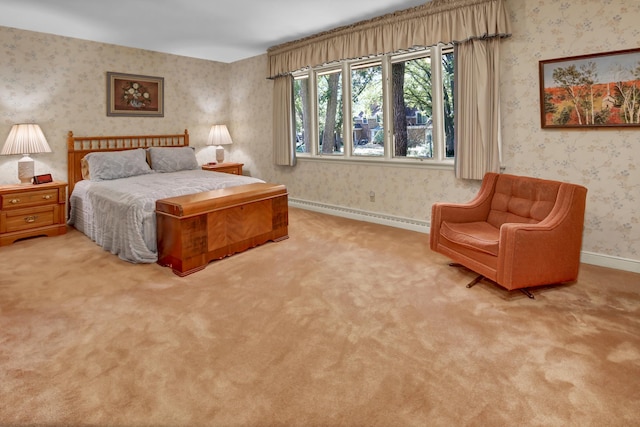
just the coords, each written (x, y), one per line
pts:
(60, 83)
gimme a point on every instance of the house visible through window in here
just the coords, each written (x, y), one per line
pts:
(395, 108)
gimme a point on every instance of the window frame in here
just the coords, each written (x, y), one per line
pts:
(439, 159)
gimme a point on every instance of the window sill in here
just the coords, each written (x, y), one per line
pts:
(379, 161)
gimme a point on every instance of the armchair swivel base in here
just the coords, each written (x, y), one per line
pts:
(479, 278)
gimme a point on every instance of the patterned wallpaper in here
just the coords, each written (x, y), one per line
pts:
(59, 83)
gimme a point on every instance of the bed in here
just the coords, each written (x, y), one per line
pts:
(145, 199)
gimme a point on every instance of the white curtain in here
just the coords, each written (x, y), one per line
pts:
(284, 152)
(478, 141)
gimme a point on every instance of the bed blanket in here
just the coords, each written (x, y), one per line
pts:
(119, 215)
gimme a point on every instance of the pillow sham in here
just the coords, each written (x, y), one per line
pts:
(172, 159)
(108, 165)
(84, 168)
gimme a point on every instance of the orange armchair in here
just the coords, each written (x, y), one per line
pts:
(519, 232)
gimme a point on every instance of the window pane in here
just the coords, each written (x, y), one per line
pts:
(412, 108)
(330, 116)
(447, 86)
(302, 108)
(368, 125)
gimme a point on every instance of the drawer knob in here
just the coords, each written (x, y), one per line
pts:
(47, 197)
(14, 201)
(30, 219)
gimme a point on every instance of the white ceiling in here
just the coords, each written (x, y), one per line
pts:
(219, 30)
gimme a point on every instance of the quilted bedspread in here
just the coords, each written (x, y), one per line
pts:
(119, 215)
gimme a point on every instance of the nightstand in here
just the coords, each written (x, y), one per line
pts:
(32, 210)
(234, 168)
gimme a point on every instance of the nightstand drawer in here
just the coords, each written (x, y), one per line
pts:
(26, 219)
(30, 198)
(232, 168)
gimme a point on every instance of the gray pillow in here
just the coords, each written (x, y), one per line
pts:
(117, 164)
(172, 159)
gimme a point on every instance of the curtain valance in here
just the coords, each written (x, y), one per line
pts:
(438, 21)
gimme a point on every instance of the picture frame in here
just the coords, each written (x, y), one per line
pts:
(591, 91)
(132, 95)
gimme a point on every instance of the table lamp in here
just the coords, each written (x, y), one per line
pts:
(219, 136)
(25, 139)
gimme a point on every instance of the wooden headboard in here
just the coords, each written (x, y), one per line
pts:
(80, 146)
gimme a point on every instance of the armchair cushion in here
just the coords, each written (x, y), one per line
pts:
(480, 236)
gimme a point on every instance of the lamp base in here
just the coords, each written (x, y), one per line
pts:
(220, 154)
(25, 169)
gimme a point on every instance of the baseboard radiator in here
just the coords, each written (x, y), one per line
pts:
(423, 227)
(361, 215)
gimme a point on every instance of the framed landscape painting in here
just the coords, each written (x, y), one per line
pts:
(591, 91)
(132, 95)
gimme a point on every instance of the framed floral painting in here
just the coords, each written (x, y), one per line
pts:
(591, 91)
(130, 95)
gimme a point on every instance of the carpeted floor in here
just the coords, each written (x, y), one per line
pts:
(345, 323)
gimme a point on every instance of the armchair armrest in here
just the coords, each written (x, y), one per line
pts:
(475, 210)
(547, 252)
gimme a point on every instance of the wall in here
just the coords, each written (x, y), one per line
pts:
(60, 83)
(603, 160)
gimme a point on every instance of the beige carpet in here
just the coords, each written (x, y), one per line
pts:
(345, 323)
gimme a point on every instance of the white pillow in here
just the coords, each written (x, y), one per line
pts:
(117, 164)
(172, 159)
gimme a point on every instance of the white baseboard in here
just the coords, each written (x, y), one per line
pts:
(423, 227)
(609, 261)
(361, 215)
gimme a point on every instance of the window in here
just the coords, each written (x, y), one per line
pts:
(330, 116)
(395, 108)
(422, 98)
(412, 99)
(302, 111)
(366, 108)
(448, 77)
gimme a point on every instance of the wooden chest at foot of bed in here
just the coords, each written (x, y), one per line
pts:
(198, 228)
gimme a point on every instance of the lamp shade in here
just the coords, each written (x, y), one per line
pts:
(219, 135)
(25, 139)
